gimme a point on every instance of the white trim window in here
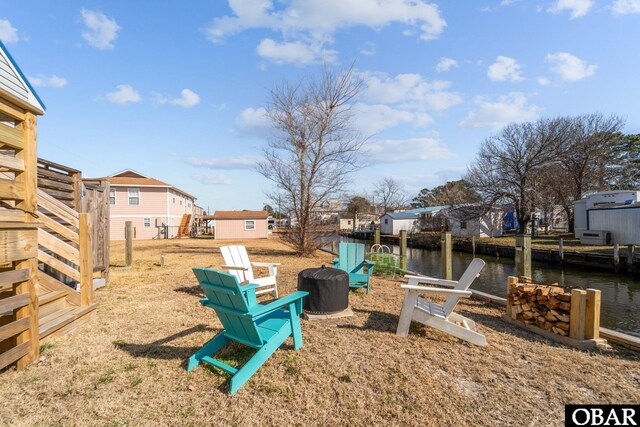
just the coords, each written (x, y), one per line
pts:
(112, 196)
(134, 196)
(146, 222)
(249, 224)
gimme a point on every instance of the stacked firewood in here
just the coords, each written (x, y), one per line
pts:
(547, 307)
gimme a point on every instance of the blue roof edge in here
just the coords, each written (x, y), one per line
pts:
(22, 76)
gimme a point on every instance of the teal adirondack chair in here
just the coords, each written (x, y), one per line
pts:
(352, 261)
(263, 327)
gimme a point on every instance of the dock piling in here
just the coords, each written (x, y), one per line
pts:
(523, 256)
(446, 253)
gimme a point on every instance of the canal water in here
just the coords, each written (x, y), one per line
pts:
(620, 307)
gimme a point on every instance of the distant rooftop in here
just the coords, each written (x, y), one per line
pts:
(413, 213)
(240, 215)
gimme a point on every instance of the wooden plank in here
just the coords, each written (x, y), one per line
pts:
(14, 276)
(59, 195)
(578, 309)
(86, 260)
(58, 209)
(14, 328)
(11, 137)
(619, 338)
(58, 247)
(56, 176)
(17, 352)
(58, 228)
(16, 245)
(11, 215)
(592, 314)
(11, 163)
(52, 284)
(12, 190)
(55, 185)
(7, 305)
(50, 164)
(11, 110)
(58, 265)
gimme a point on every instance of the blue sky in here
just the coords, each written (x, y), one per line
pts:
(177, 91)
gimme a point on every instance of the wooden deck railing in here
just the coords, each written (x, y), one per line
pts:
(64, 246)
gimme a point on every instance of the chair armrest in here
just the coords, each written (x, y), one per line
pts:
(370, 266)
(248, 287)
(261, 310)
(235, 267)
(265, 264)
(437, 291)
(335, 261)
(414, 280)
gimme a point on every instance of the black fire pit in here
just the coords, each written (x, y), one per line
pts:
(328, 290)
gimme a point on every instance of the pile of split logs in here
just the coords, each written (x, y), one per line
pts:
(547, 307)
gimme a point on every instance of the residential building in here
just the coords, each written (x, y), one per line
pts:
(610, 217)
(409, 220)
(473, 221)
(153, 206)
(240, 225)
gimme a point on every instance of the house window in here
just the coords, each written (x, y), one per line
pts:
(386, 220)
(147, 222)
(112, 196)
(463, 225)
(250, 224)
(174, 200)
(134, 196)
(180, 202)
(189, 204)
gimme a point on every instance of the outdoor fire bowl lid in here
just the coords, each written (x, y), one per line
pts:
(328, 289)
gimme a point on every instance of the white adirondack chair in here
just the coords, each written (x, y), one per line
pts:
(439, 316)
(237, 263)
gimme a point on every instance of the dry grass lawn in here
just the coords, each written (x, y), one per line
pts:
(126, 366)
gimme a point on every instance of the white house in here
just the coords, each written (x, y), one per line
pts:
(471, 221)
(610, 213)
(410, 220)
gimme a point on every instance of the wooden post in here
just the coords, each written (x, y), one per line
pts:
(77, 191)
(523, 256)
(128, 236)
(511, 287)
(473, 246)
(616, 258)
(334, 247)
(86, 259)
(446, 254)
(592, 315)
(29, 179)
(578, 311)
(561, 249)
(161, 260)
(403, 249)
(376, 236)
(630, 250)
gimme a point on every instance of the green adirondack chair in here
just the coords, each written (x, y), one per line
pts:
(263, 327)
(352, 261)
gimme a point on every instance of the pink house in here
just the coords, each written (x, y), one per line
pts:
(149, 204)
(240, 225)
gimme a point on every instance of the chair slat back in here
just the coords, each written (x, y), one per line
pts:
(223, 289)
(237, 256)
(469, 275)
(351, 257)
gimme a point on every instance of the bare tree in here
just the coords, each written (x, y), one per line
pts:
(389, 194)
(508, 166)
(315, 148)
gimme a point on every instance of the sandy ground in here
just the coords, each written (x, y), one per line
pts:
(126, 366)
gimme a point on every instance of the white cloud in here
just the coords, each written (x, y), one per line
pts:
(314, 22)
(570, 67)
(505, 68)
(625, 7)
(188, 99)
(543, 81)
(445, 64)
(371, 119)
(497, 114)
(577, 8)
(125, 94)
(52, 81)
(8, 33)
(405, 150)
(294, 52)
(254, 123)
(409, 90)
(369, 49)
(213, 179)
(100, 31)
(226, 163)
